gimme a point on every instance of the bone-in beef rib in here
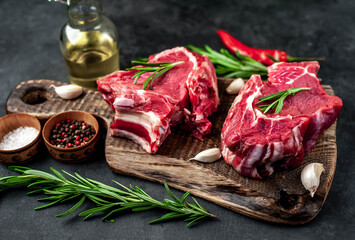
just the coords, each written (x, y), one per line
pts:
(254, 143)
(188, 92)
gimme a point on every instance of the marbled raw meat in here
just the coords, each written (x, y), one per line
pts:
(255, 143)
(188, 92)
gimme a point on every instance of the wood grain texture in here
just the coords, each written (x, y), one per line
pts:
(279, 198)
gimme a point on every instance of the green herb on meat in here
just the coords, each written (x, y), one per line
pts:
(157, 69)
(279, 102)
(230, 66)
(107, 199)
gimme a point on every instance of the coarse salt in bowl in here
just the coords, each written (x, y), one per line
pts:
(20, 137)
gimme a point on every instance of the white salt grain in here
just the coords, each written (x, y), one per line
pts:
(18, 138)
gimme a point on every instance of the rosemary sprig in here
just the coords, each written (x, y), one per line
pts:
(231, 66)
(279, 102)
(107, 199)
(157, 69)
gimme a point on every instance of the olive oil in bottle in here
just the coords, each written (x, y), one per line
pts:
(89, 43)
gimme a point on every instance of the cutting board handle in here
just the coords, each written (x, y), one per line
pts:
(37, 98)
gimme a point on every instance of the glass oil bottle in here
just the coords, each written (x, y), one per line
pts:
(89, 43)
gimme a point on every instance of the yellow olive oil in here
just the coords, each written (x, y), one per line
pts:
(92, 56)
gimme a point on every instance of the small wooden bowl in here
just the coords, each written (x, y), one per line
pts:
(75, 154)
(11, 122)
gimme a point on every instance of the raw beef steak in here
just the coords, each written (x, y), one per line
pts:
(188, 92)
(254, 143)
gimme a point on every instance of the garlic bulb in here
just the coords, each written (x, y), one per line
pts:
(68, 91)
(208, 155)
(310, 176)
(235, 86)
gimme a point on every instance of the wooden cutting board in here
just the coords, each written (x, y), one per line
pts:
(279, 198)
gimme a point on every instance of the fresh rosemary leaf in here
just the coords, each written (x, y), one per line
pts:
(113, 195)
(87, 216)
(185, 196)
(35, 191)
(43, 175)
(84, 181)
(173, 203)
(77, 205)
(57, 173)
(35, 184)
(71, 197)
(142, 59)
(138, 209)
(145, 63)
(97, 200)
(51, 198)
(231, 66)
(141, 191)
(136, 76)
(70, 175)
(197, 204)
(170, 193)
(271, 96)
(280, 98)
(146, 82)
(110, 213)
(19, 169)
(122, 186)
(168, 216)
(157, 69)
(59, 189)
(194, 220)
(97, 209)
(280, 104)
(49, 204)
(144, 69)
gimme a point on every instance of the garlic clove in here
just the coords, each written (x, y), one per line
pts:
(208, 155)
(68, 91)
(310, 176)
(235, 86)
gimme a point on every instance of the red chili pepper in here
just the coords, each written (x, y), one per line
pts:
(261, 55)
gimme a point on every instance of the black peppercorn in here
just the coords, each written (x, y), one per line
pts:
(71, 133)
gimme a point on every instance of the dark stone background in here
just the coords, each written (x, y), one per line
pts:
(29, 50)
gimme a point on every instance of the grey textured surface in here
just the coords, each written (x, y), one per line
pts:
(29, 50)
